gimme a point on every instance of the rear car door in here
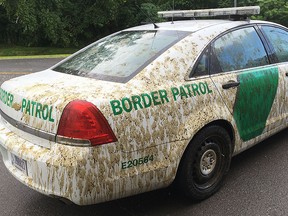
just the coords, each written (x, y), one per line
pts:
(241, 70)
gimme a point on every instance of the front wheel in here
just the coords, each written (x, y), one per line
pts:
(205, 163)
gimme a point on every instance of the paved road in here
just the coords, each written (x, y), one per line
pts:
(17, 67)
(257, 184)
(26, 65)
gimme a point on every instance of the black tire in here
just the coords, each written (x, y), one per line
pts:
(205, 163)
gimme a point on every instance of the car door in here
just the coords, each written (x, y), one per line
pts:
(277, 38)
(240, 68)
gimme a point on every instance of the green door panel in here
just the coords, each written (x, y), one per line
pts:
(254, 99)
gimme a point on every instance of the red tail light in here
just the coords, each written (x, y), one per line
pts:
(82, 123)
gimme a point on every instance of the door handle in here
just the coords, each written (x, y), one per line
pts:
(230, 84)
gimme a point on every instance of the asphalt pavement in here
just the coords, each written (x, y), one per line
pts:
(10, 68)
(27, 65)
(257, 184)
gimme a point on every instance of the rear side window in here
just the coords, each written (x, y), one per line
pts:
(238, 50)
(202, 66)
(121, 56)
(279, 39)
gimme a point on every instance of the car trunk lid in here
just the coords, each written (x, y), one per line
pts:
(32, 105)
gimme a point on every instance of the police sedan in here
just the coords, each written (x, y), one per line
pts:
(148, 106)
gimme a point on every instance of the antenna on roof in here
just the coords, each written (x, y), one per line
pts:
(147, 16)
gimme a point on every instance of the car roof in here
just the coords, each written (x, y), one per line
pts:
(195, 25)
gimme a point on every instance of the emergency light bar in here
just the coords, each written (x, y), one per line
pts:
(242, 11)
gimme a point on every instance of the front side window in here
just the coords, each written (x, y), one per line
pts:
(119, 57)
(279, 40)
(238, 50)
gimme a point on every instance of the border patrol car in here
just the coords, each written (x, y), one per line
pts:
(148, 106)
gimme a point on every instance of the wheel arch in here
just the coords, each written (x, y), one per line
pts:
(222, 123)
(227, 126)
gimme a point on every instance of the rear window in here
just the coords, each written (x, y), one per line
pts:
(121, 56)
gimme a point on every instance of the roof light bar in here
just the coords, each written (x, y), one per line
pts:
(243, 11)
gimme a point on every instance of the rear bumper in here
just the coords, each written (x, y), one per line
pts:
(62, 171)
(45, 172)
(83, 175)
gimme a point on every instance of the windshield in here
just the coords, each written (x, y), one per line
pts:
(121, 56)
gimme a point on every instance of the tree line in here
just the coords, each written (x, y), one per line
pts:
(74, 23)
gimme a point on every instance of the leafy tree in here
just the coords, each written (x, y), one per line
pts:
(224, 3)
(274, 10)
(3, 25)
(76, 23)
(59, 22)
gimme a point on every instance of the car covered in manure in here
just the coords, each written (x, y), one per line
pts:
(148, 106)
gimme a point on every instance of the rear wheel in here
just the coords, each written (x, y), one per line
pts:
(205, 163)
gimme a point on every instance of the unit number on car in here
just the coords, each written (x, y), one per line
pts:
(137, 162)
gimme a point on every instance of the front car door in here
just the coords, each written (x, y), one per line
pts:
(250, 86)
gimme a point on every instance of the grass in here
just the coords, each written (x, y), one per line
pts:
(9, 52)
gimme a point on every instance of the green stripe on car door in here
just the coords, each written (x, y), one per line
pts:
(254, 100)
